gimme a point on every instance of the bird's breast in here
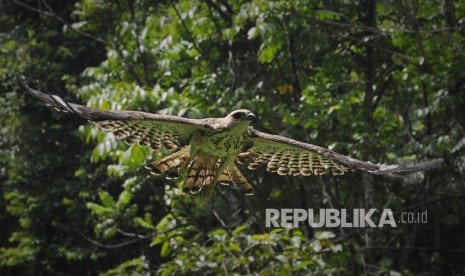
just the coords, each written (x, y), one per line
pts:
(219, 144)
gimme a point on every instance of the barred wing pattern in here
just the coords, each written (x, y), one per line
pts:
(287, 159)
(157, 132)
(146, 129)
(152, 134)
(290, 157)
(278, 154)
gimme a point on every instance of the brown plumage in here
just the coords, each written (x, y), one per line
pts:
(233, 176)
(201, 172)
(201, 175)
(169, 163)
(206, 149)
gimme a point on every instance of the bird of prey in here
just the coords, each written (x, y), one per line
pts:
(208, 149)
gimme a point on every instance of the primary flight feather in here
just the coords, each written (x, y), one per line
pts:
(209, 148)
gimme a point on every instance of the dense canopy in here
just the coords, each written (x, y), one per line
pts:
(380, 81)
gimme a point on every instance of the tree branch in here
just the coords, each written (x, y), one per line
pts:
(138, 44)
(185, 27)
(52, 14)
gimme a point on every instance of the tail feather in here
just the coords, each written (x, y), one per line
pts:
(201, 172)
(232, 175)
(201, 175)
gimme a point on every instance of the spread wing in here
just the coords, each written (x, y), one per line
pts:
(146, 129)
(290, 157)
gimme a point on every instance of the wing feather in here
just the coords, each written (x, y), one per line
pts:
(146, 129)
(286, 156)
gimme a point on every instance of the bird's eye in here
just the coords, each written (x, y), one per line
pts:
(239, 115)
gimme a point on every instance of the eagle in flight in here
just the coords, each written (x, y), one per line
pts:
(209, 148)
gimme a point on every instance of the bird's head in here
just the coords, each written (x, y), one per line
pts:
(241, 116)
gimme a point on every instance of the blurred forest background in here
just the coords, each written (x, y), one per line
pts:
(380, 81)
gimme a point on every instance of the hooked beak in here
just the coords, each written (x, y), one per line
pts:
(251, 117)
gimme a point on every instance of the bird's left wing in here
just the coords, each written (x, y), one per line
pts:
(290, 157)
(146, 129)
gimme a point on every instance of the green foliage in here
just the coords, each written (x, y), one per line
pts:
(137, 266)
(377, 81)
(280, 251)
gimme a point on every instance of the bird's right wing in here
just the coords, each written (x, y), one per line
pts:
(146, 129)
